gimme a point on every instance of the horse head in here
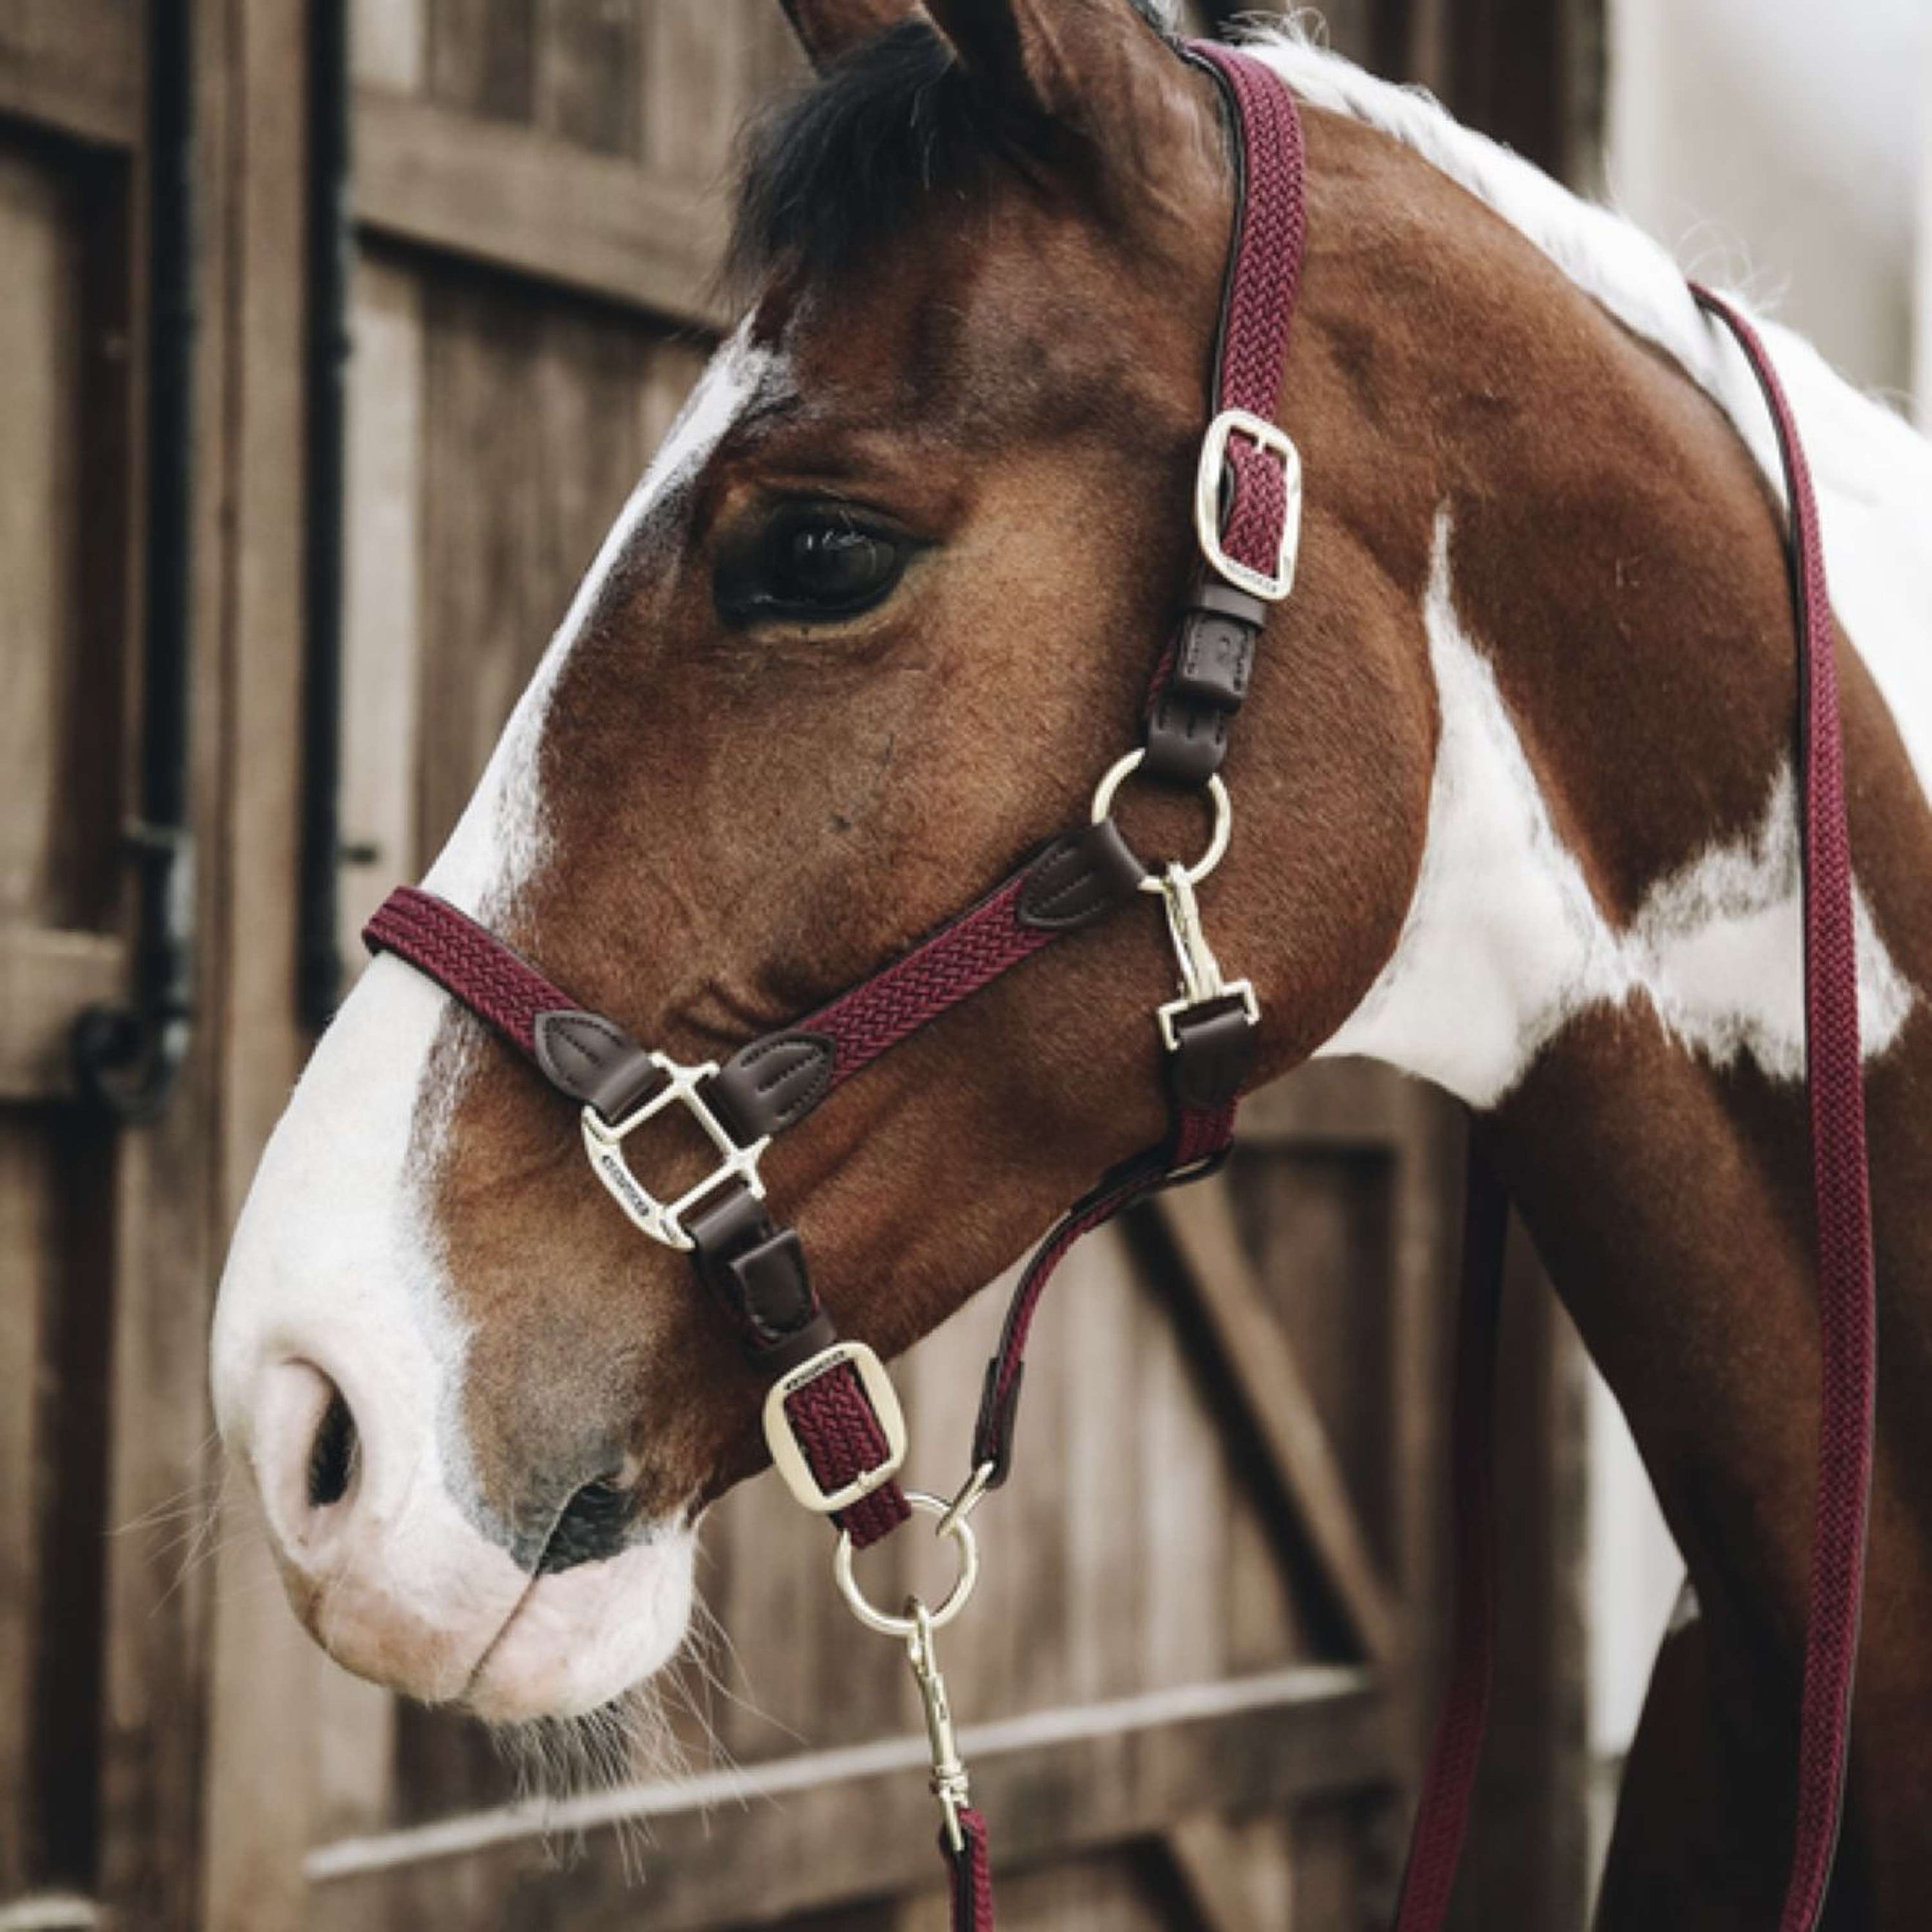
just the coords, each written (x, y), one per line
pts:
(880, 612)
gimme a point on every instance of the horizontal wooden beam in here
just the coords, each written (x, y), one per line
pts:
(805, 1833)
(1260, 1367)
(74, 68)
(47, 979)
(514, 198)
(51, 1912)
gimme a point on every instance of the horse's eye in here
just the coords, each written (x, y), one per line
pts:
(825, 563)
(833, 564)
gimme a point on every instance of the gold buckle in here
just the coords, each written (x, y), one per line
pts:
(788, 1452)
(664, 1220)
(1259, 430)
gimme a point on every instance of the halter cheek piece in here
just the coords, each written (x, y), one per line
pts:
(831, 1419)
(832, 1422)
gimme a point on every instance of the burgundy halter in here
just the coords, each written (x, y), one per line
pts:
(832, 1420)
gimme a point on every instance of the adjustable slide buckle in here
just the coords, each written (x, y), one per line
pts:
(1271, 588)
(788, 1452)
(664, 1220)
(1201, 979)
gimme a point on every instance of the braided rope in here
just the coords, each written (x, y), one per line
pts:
(1847, 1306)
(1198, 1135)
(474, 965)
(972, 1875)
(932, 979)
(1449, 1780)
(1262, 293)
(836, 1427)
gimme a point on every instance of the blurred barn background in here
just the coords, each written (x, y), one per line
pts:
(328, 347)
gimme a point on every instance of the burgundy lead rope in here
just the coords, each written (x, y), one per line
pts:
(1449, 1780)
(756, 1270)
(1847, 1309)
(1847, 1295)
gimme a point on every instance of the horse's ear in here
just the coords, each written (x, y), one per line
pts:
(1100, 64)
(829, 29)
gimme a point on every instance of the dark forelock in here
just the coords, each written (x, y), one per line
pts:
(844, 166)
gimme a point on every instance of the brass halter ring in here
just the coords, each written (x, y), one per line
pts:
(1217, 843)
(952, 1524)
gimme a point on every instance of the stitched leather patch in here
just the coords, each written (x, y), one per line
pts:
(1078, 877)
(593, 1060)
(772, 1083)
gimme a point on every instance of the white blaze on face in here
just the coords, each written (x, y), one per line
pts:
(499, 841)
(1505, 943)
(336, 1272)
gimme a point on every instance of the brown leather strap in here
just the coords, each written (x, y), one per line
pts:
(756, 1272)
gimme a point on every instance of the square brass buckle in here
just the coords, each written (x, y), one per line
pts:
(664, 1220)
(1259, 430)
(788, 1452)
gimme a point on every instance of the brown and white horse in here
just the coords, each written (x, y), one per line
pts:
(1516, 799)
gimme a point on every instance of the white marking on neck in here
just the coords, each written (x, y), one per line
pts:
(1505, 943)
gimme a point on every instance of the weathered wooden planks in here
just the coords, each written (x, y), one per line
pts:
(46, 980)
(29, 1270)
(63, 525)
(1263, 1368)
(513, 198)
(74, 67)
(262, 1714)
(819, 1829)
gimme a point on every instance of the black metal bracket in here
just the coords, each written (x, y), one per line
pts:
(331, 259)
(128, 1060)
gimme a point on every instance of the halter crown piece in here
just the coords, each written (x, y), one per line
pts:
(831, 1418)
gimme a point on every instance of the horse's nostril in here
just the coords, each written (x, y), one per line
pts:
(332, 1456)
(593, 1525)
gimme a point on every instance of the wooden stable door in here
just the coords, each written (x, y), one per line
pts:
(1196, 1683)
(102, 1310)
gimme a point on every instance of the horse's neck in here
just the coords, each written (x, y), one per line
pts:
(1603, 955)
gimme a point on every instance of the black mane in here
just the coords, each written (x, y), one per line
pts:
(841, 167)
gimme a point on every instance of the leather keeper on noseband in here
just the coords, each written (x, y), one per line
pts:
(758, 1272)
(1078, 877)
(772, 1083)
